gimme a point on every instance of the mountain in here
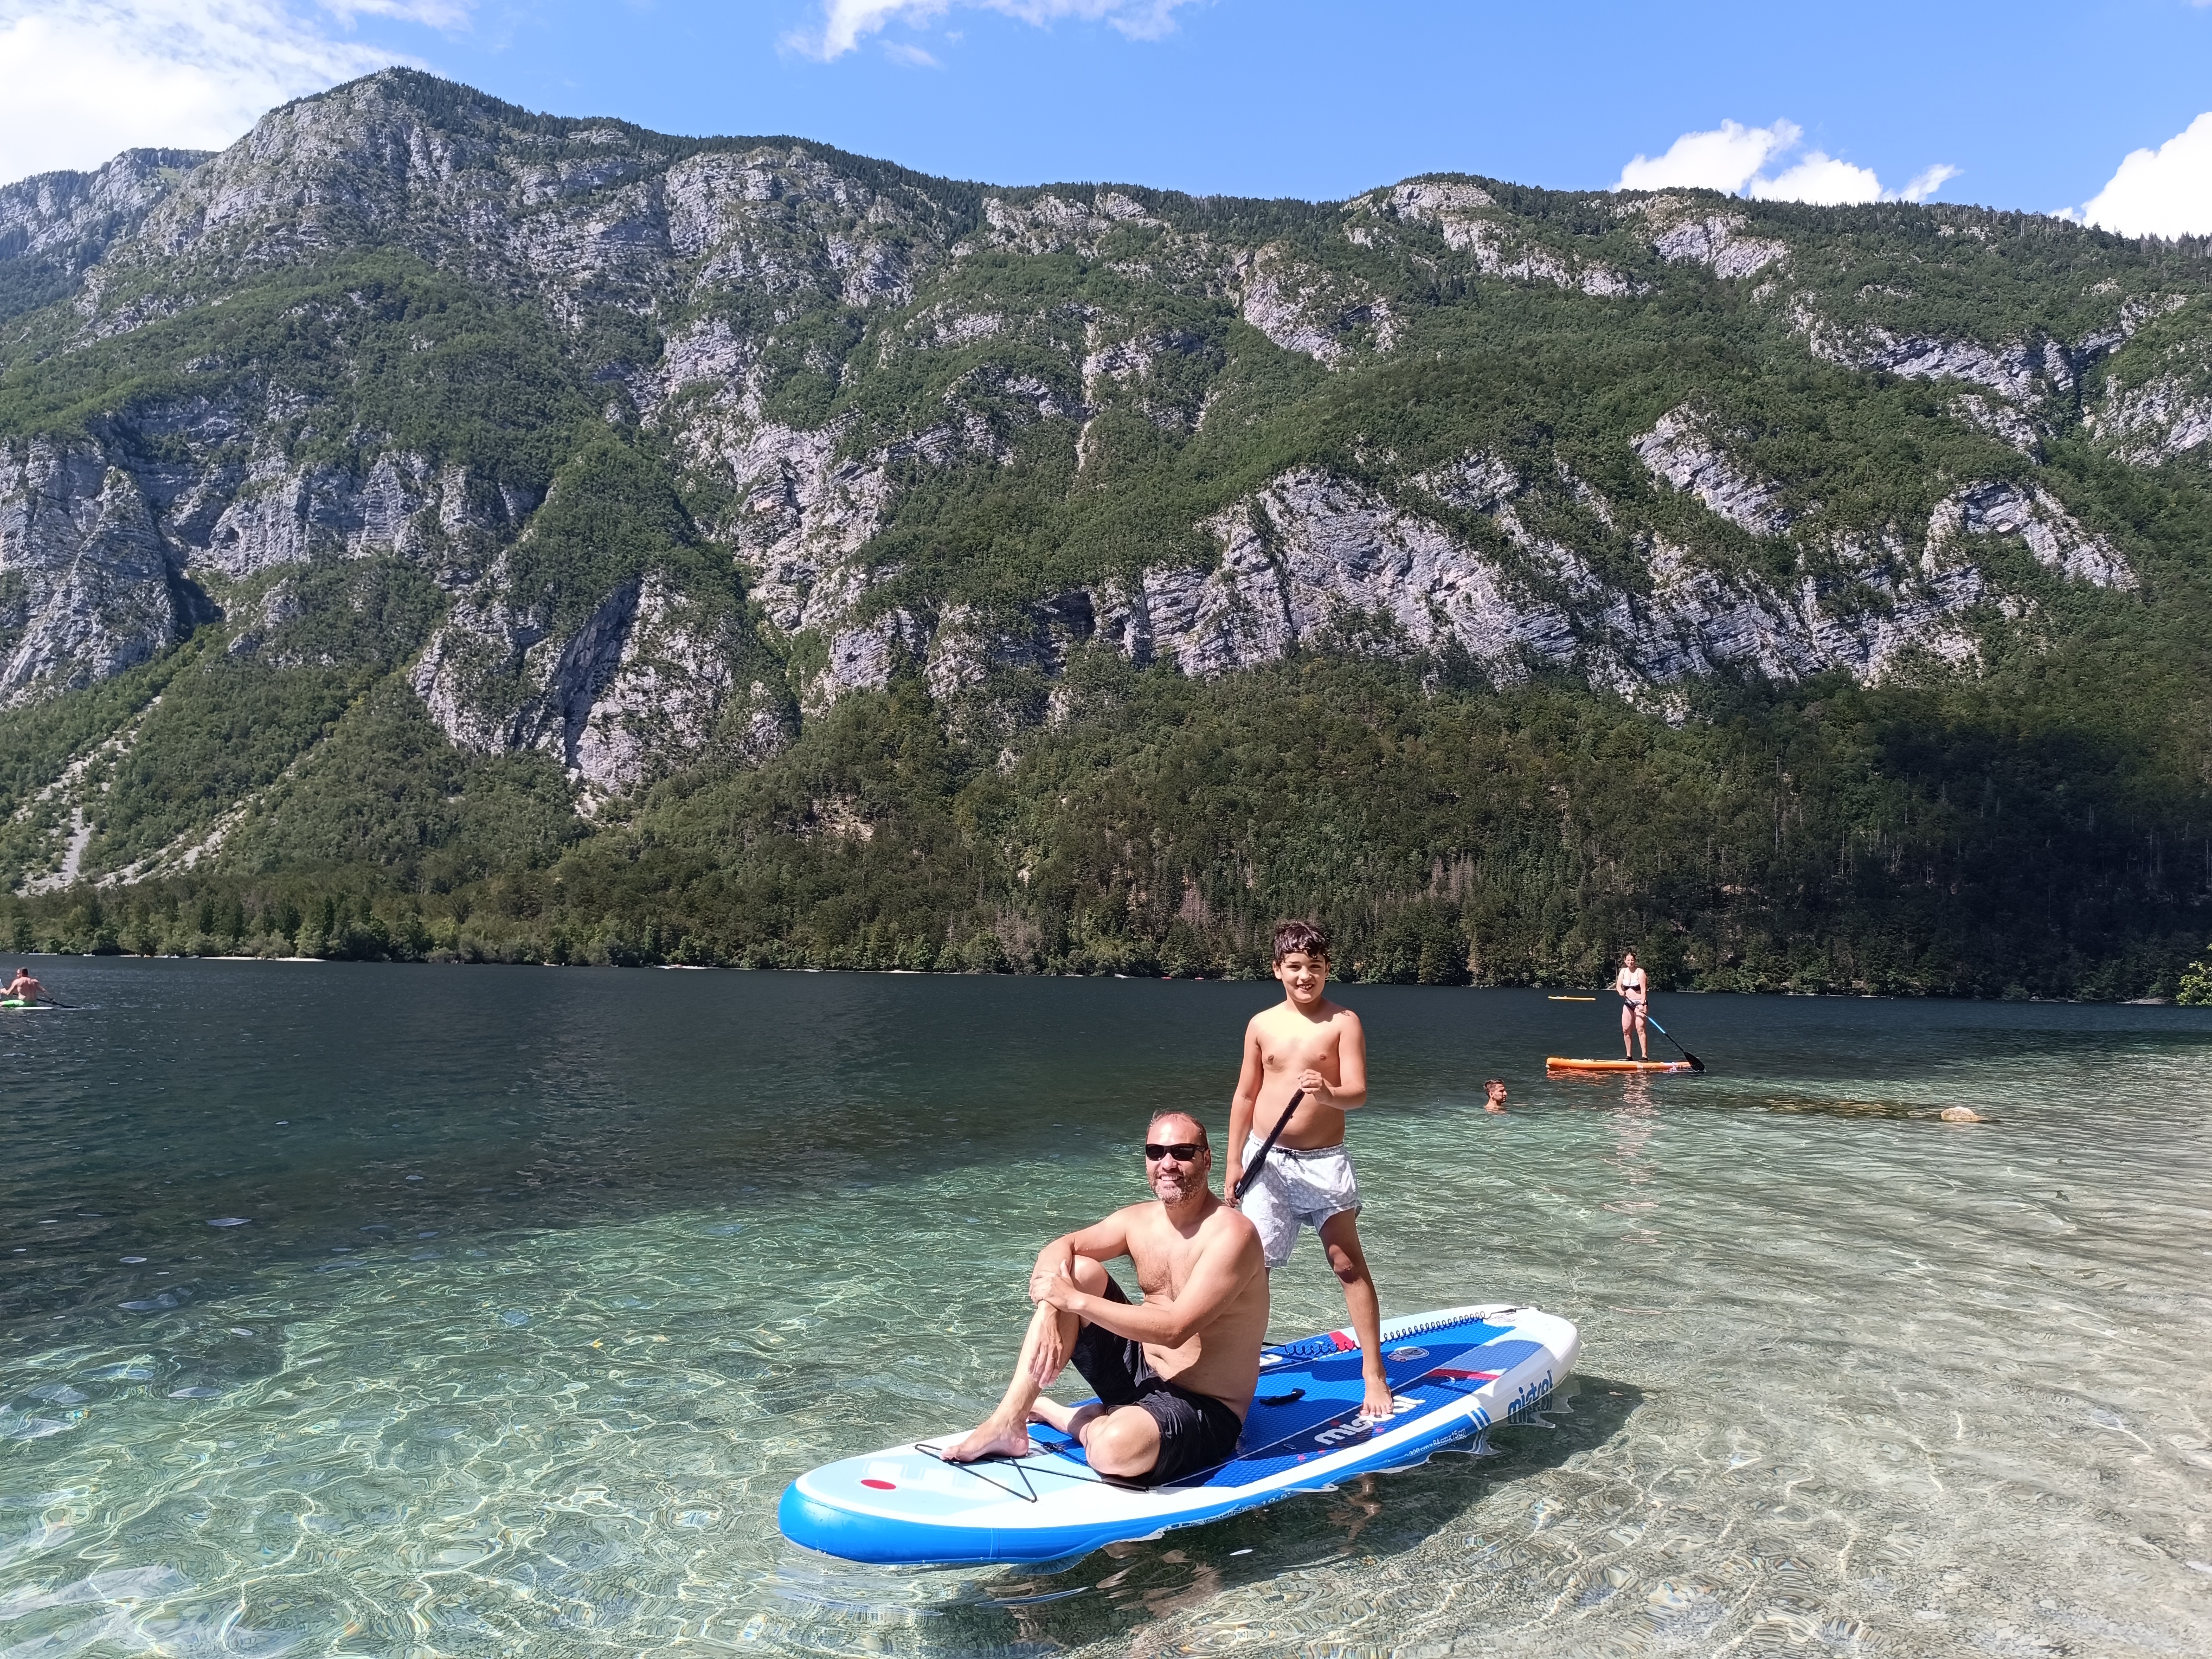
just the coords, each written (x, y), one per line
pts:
(431, 527)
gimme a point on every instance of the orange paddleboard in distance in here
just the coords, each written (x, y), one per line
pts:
(1558, 1065)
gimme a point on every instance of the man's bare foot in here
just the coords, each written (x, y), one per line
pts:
(1053, 1415)
(1378, 1406)
(989, 1439)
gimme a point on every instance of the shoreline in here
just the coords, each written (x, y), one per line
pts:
(1183, 979)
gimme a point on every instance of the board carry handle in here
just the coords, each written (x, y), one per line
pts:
(1244, 1182)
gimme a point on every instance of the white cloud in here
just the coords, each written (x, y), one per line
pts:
(2167, 192)
(901, 51)
(1925, 184)
(845, 23)
(83, 79)
(1820, 179)
(1726, 160)
(1732, 159)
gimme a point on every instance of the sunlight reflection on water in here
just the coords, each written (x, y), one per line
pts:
(545, 1284)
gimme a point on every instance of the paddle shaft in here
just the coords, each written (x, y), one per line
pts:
(1695, 1065)
(1251, 1173)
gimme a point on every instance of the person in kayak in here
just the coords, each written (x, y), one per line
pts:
(1633, 986)
(24, 988)
(1306, 1042)
(1174, 1376)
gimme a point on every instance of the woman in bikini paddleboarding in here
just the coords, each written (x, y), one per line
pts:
(1634, 989)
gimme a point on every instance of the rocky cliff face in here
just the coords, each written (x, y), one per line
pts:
(56, 225)
(967, 431)
(87, 586)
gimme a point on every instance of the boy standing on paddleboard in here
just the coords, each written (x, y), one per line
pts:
(1308, 1043)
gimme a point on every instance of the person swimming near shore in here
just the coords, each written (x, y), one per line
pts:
(1174, 1376)
(1496, 1090)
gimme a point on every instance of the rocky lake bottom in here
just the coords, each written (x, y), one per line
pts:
(383, 1310)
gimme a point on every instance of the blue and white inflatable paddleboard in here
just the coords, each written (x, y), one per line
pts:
(1453, 1374)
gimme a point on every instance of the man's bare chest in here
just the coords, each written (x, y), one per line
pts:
(1162, 1268)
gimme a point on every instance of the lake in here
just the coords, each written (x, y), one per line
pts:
(382, 1310)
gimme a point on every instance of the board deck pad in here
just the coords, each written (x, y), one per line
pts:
(1452, 1375)
(1324, 1415)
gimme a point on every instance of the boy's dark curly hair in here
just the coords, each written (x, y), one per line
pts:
(1300, 936)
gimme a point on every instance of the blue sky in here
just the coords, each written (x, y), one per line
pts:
(2035, 104)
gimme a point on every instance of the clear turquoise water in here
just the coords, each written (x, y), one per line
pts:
(547, 1281)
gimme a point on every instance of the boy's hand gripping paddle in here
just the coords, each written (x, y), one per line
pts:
(1251, 1173)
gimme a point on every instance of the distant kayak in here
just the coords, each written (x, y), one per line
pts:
(1557, 1064)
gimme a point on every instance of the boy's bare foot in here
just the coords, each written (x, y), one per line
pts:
(991, 1438)
(1378, 1406)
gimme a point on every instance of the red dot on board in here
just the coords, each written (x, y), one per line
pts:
(880, 1485)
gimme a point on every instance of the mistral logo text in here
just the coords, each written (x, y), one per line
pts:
(1359, 1427)
(1527, 1397)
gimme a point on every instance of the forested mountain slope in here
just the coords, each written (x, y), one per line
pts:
(429, 527)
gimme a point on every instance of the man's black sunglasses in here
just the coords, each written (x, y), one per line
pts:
(1183, 1152)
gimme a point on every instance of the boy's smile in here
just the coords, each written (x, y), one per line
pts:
(1303, 977)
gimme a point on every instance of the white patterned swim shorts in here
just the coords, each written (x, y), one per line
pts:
(1299, 1187)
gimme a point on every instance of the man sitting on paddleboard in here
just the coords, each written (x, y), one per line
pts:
(26, 988)
(1633, 986)
(1175, 1376)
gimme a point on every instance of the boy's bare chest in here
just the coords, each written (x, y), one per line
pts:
(1295, 1048)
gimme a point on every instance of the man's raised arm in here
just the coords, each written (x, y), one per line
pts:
(1221, 1272)
(1101, 1240)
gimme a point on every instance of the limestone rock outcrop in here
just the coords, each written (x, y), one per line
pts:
(87, 585)
(1680, 451)
(639, 687)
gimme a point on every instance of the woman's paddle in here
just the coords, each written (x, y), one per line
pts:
(1252, 1172)
(1695, 1065)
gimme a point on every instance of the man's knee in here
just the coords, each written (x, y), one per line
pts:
(1090, 1276)
(1124, 1444)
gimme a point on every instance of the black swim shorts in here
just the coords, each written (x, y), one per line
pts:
(1197, 1432)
